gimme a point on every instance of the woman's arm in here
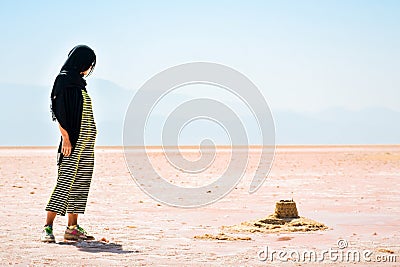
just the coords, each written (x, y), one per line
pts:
(66, 145)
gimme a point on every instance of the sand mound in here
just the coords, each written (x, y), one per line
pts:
(273, 224)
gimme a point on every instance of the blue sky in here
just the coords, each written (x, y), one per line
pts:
(328, 69)
(303, 55)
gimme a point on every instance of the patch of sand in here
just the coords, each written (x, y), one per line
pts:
(353, 189)
(222, 236)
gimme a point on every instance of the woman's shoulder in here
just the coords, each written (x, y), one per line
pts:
(64, 82)
(62, 79)
(67, 92)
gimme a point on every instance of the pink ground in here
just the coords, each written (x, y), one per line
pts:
(352, 189)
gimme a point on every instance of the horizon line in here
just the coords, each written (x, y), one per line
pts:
(217, 146)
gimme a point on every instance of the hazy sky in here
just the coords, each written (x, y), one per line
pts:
(303, 55)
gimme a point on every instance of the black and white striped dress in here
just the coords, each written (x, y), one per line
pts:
(75, 172)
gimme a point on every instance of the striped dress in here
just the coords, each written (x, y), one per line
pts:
(75, 172)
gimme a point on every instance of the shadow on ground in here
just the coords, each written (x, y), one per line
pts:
(98, 246)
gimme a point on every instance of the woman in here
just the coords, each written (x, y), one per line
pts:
(71, 107)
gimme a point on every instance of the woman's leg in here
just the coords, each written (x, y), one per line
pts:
(72, 219)
(51, 215)
(47, 234)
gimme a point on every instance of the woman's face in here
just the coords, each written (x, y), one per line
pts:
(86, 72)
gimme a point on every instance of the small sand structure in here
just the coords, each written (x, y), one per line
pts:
(286, 209)
(285, 219)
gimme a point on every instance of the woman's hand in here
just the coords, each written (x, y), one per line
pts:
(66, 144)
(66, 147)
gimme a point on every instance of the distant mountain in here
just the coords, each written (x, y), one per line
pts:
(339, 126)
(25, 120)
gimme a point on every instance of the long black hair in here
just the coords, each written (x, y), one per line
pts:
(80, 58)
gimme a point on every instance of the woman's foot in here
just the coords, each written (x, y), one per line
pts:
(47, 234)
(75, 232)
